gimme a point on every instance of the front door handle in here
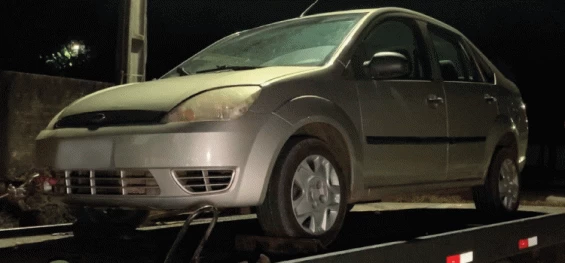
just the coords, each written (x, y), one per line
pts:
(434, 99)
(489, 98)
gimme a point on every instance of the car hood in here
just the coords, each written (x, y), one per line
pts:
(164, 94)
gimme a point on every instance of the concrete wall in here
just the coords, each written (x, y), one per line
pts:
(550, 156)
(27, 104)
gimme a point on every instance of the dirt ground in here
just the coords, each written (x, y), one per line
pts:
(530, 197)
(41, 210)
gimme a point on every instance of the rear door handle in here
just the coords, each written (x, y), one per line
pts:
(434, 99)
(489, 98)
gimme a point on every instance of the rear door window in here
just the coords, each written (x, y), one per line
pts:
(454, 62)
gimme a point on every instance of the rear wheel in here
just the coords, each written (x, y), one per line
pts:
(500, 193)
(103, 223)
(306, 195)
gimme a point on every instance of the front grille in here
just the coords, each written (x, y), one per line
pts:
(110, 118)
(115, 182)
(204, 181)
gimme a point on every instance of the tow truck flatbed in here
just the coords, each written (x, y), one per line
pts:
(488, 243)
(381, 232)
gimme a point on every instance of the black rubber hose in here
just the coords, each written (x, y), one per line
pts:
(184, 229)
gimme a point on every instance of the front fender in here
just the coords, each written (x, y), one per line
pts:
(304, 110)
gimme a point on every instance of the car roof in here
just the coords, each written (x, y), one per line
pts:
(382, 10)
(370, 12)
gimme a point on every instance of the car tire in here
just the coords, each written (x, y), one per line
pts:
(500, 194)
(302, 199)
(93, 223)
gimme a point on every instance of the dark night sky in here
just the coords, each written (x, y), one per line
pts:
(523, 37)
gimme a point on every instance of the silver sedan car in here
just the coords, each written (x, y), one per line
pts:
(301, 119)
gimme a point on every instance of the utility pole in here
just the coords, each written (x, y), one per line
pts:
(132, 41)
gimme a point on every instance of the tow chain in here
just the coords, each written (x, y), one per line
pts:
(184, 229)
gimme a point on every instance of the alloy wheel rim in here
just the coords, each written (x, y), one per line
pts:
(316, 194)
(508, 185)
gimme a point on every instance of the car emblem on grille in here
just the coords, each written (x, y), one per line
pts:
(98, 118)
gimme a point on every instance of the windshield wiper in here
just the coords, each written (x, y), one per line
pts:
(224, 67)
(182, 71)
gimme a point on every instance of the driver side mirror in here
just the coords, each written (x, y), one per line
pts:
(387, 65)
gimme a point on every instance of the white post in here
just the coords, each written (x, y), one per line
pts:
(132, 41)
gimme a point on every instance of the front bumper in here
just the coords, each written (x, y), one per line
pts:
(248, 146)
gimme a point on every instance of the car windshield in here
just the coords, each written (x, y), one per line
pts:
(302, 42)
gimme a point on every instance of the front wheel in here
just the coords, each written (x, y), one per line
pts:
(500, 194)
(307, 194)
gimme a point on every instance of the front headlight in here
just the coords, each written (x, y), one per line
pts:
(215, 105)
